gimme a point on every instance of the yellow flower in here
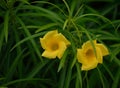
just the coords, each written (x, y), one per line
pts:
(54, 44)
(87, 57)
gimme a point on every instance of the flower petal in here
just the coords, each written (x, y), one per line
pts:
(80, 56)
(62, 48)
(88, 44)
(103, 49)
(89, 66)
(90, 63)
(99, 55)
(49, 54)
(43, 43)
(50, 34)
(60, 37)
(86, 56)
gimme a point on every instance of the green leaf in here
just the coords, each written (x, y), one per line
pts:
(117, 61)
(31, 40)
(108, 70)
(24, 1)
(37, 68)
(52, 4)
(25, 40)
(6, 25)
(3, 4)
(68, 78)
(44, 27)
(62, 78)
(79, 75)
(114, 53)
(63, 60)
(24, 80)
(49, 14)
(77, 83)
(68, 8)
(1, 39)
(95, 15)
(101, 78)
(117, 79)
(13, 67)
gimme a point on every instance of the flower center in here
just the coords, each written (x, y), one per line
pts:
(54, 47)
(90, 53)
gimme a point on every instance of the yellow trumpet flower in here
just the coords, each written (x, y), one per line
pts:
(86, 56)
(54, 44)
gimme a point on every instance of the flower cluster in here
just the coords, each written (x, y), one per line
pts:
(55, 44)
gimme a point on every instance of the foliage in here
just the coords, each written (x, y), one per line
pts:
(23, 22)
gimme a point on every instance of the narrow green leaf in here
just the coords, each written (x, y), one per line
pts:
(62, 61)
(116, 45)
(65, 24)
(31, 40)
(116, 82)
(44, 27)
(1, 39)
(99, 0)
(79, 74)
(117, 61)
(114, 53)
(101, 78)
(3, 4)
(6, 25)
(74, 61)
(49, 14)
(96, 15)
(86, 19)
(108, 9)
(77, 83)
(52, 4)
(78, 11)
(67, 6)
(24, 1)
(68, 77)
(62, 78)
(25, 39)
(91, 9)
(71, 38)
(37, 68)
(13, 67)
(108, 70)
(24, 80)
(72, 7)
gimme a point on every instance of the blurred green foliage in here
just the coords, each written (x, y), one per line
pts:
(23, 22)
